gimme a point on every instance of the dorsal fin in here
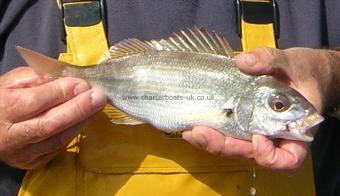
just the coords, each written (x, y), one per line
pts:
(190, 40)
(130, 47)
(198, 40)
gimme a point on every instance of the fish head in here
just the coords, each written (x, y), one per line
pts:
(281, 112)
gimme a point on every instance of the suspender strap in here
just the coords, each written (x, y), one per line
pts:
(258, 23)
(83, 22)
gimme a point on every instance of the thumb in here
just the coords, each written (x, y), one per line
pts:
(287, 157)
(263, 61)
(264, 151)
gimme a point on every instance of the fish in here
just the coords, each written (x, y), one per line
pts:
(186, 80)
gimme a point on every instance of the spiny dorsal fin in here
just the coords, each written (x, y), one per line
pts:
(119, 117)
(196, 40)
(190, 40)
(130, 47)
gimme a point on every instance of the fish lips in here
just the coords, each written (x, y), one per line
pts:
(302, 129)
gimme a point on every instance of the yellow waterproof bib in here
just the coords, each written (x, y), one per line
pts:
(140, 160)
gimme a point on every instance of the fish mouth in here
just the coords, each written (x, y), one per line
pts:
(301, 129)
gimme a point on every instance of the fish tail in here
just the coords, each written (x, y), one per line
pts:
(42, 64)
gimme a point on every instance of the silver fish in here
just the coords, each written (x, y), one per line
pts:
(190, 79)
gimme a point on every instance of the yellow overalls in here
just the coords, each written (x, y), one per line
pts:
(139, 160)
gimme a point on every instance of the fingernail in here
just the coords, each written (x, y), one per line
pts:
(80, 88)
(247, 59)
(255, 142)
(98, 97)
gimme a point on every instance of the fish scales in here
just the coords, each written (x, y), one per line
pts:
(170, 74)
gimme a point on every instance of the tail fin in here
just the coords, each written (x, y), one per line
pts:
(42, 64)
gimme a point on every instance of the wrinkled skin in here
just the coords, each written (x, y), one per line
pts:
(307, 71)
(35, 127)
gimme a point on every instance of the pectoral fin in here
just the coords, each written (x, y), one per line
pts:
(119, 117)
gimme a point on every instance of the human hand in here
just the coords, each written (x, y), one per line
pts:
(39, 118)
(305, 70)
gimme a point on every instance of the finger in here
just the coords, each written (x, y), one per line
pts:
(22, 77)
(264, 61)
(287, 157)
(216, 143)
(53, 144)
(59, 118)
(238, 148)
(32, 101)
(29, 155)
(38, 162)
(194, 139)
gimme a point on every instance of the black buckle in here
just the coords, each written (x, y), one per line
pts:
(258, 13)
(86, 13)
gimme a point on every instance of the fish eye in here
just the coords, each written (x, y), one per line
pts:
(278, 103)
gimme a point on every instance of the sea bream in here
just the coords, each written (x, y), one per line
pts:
(186, 80)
